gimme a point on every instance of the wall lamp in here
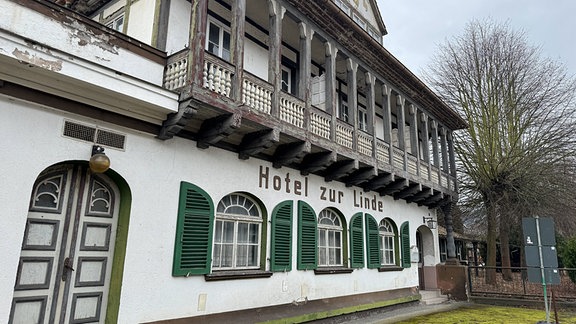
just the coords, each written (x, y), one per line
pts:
(99, 162)
(429, 221)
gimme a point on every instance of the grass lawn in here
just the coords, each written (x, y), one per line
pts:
(493, 314)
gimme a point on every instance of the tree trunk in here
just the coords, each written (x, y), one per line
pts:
(505, 248)
(491, 242)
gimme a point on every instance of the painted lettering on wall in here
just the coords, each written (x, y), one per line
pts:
(298, 185)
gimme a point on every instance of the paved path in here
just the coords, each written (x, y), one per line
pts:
(394, 315)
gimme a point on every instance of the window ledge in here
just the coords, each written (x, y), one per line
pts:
(323, 271)
(390, 268)
(237, 274)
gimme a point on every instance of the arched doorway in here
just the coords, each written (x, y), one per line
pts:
(66, 260)
(426, 258)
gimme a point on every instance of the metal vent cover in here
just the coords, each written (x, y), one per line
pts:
(93, 134)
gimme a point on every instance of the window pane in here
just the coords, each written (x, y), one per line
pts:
(216, 259)
(253, 255)
(322, 237)
(331, 239)
(322, 256)
(338, 256)
(228, 232)
(227, 256)
(241, 256)
(254, 232)
(218, 232)
(337, 241)
(226, 46)
(242, 232)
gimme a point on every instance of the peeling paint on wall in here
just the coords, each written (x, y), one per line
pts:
(32, 59)
(88, 37)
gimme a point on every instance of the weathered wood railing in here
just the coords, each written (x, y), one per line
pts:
(218, 76)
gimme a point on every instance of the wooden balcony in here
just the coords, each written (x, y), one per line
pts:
(296, 134)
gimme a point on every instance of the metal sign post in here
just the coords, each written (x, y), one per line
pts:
(541, 255)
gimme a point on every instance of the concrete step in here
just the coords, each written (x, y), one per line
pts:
(432, 297)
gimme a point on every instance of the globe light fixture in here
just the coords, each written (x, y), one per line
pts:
(99, 162)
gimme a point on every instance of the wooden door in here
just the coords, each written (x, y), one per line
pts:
(67, 251)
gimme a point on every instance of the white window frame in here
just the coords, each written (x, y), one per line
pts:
(387, 243)
(330, 253)
(362, 119)
(221, 51)
(357, 19)
(344, 6)
(113, 22)
(237, 210)
(286, 84)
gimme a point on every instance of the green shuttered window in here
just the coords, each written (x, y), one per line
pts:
(307, 237)
(281, 248)
(372, 242)
(356, 241)
(405, 241)
(193, 246)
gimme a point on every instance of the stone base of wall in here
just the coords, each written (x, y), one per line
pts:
(452, 281)
(309, 310)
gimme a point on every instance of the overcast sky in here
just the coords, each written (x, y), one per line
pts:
(416, 27)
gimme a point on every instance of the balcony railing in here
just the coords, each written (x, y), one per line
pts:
(257, 94)
(292, 110)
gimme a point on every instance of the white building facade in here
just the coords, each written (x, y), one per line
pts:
(264, 165)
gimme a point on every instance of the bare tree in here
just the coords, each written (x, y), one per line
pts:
(521, 115)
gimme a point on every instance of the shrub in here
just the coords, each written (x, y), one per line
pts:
(569, 257)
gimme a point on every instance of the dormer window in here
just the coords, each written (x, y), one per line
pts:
(116, 23)
(357, 19)
(343, 5)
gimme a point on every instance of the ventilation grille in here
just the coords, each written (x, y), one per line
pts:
(94, 135)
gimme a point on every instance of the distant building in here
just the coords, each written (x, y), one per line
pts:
(268, 160)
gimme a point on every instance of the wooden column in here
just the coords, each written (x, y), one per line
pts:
(452, 160)
(413, 111)
(305, 62)
(444, 151)
(400, 120)
(425, 142)
(197, 43)
(435, 153)
(238, 27)
(352, 87)
(370, 110)
(276, 13)
(306, 34)
(331, 51)
(387, 119)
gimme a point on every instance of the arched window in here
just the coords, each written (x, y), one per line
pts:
(237, 233)
(329, 239)
(388, 242)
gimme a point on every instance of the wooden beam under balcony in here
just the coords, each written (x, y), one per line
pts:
(289, 153)
(432, 200)
(395, 187)
(409, 191)
(340, 169)
(419, 196)
(176, 121)
(256, 142)
(379, 182)
(213, 130)
(317, 161)
(360, 176)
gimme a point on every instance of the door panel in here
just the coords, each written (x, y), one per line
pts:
(67, 250)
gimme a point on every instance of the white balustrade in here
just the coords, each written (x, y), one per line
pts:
(344, 135)
(398, 158)
(320, 125)
(292, 111)
(175, 72)
(365, 143)
(383, 152)
(412, 165)
(217, 78)
(257, 96)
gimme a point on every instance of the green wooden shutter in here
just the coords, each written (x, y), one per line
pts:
(372, 242)
(307, 237)
(356, 241)
(405, 239)
(281, 247)
(193, 247)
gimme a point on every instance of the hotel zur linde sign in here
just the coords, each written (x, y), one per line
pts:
(289, 184)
